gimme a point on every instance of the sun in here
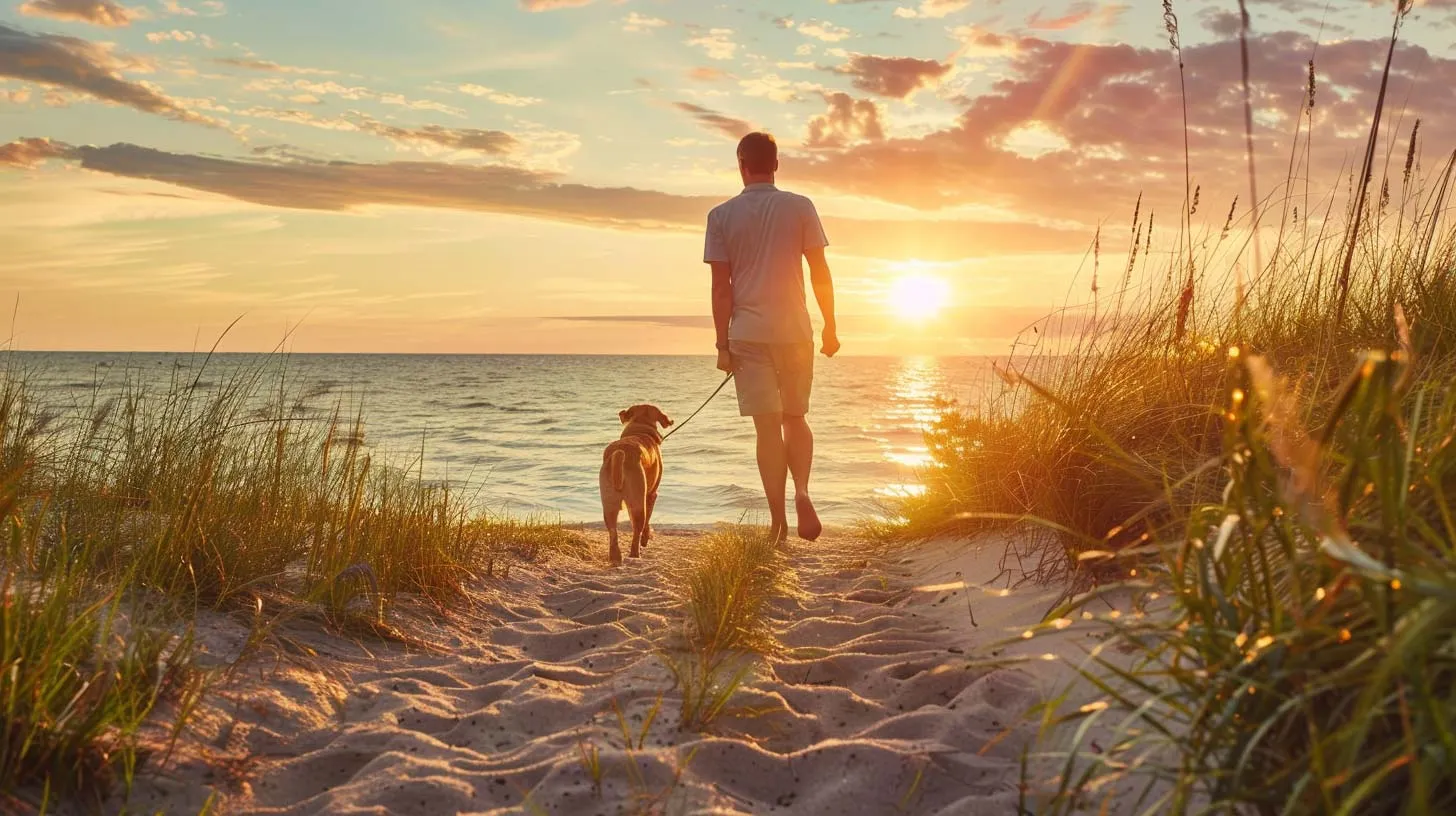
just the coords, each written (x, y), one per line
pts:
(915, 296)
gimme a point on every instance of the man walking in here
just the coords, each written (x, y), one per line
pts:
(755, 244)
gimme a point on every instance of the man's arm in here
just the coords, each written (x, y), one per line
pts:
(823, 283)
(722, 310)
(715, 254)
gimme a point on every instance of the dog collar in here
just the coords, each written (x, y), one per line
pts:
(650, 431)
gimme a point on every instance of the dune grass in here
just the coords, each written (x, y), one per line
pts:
(1111, 438)
(1261, 452)
(125, 515)
(1104, 431)
(726, 587)
(1308, 663)
(82, 673)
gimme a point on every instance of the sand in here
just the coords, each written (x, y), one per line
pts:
(876, 705)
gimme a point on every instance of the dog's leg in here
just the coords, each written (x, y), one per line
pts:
(614, 550)
(637, 510)
(647, 521)
(611, 506)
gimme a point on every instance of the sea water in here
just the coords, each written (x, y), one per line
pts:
(525, 433)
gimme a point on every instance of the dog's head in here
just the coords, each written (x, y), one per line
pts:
(648, 415)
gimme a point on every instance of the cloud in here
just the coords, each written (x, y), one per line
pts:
(775, 87)
(846, 122)
(206, 8)
(827, 32)
(269, 66)
(428, 137)
(84, 67)
(303, 183)
(1221, 22)
(1110, 115)
(896, 77)
(319, 89)
(635, 22)
(499, 97)
(487, 142)
(552, 5)
(181, 37)
(715, 121)
(707, 74)
(662, 321)
(27, 153)
(1075, 15)
(932, 9)
(716, 43)
(96, 12)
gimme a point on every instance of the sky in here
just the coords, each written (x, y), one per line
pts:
(532, 176)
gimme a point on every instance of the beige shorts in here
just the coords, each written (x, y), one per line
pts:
(772, 378)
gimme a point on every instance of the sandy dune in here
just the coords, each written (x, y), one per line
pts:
(872, 707)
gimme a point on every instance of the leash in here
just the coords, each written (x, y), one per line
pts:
(710, 398)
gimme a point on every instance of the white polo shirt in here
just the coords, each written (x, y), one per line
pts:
(762, 234)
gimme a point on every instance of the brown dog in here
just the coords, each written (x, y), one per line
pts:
(631, 474)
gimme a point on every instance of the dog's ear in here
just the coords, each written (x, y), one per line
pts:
(662, 418)
(624, 416)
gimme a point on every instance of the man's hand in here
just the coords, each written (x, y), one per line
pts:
(725, 361)
(831, 343)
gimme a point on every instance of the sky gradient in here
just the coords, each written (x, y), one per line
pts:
(533, 175)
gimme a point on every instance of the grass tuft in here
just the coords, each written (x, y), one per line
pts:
(726, 587)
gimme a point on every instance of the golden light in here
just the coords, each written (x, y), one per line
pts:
(917, 296)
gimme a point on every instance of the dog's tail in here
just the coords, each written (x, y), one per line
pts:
(616, 465)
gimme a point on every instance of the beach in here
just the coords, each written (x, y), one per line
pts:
(1114, 345)
(548, 692)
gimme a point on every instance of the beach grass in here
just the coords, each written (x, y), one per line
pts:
(83, 672)
(726, 587)
(221, 487)
(1306, 662)
(1105, 428)
(1252, 438)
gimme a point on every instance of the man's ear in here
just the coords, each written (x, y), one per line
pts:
(622, 415)
(663, 420)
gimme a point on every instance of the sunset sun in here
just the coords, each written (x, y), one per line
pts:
(916, 296)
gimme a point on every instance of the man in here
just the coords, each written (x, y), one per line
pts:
(755, 244)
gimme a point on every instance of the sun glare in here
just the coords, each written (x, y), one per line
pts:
(917, 296)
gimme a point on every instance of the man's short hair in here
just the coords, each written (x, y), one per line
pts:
(758, 152)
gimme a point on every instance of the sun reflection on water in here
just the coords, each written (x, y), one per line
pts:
(911, 407)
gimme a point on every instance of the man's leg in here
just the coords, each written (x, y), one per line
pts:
(799, 450)
(796, 380)
(756, 380)
(773, 470)
(799, 447)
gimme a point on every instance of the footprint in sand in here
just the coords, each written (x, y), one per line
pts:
(870, 709)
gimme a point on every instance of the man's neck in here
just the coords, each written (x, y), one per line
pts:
(749, 181)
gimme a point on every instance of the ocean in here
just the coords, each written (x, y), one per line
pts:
(525, 433)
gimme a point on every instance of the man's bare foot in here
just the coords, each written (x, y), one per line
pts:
(779, 532)
(810, 527)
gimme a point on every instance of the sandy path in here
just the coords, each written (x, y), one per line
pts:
(871, 708)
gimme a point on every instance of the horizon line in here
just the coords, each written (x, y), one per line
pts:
(449, 353)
